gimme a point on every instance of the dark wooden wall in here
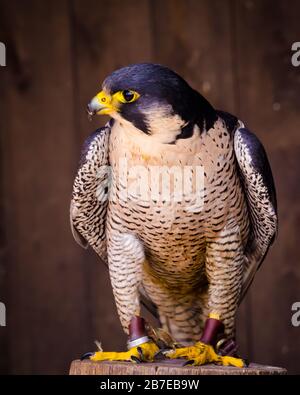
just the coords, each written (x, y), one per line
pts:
(236, 52)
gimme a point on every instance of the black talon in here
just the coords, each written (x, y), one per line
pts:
(246, 362)
(141, 354)
(140, 351)
(87, 355)
(135, 359)
(160, 355)
(190, 362)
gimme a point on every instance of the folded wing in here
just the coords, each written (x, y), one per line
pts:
(258, 185)
(90, 193)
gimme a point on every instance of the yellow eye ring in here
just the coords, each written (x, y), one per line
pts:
(126, 96)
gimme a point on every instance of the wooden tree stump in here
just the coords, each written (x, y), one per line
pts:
(173, 367)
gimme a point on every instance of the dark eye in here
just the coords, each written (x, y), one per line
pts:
(128, 95)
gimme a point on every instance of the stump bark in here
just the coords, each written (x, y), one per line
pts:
(173, 367)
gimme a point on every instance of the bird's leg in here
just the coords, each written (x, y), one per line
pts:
(224, 264)
(206, 350)
(214, 335)
(140, 347)
(125, 259)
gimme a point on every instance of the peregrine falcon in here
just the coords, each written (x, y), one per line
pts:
(178, 199)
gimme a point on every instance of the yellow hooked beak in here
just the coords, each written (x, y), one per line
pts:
(102, 104)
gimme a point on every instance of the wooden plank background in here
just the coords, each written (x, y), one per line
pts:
(236, 52)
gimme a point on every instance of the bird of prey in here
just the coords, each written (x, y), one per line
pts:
(178, 199)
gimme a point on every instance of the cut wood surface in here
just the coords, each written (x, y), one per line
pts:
(167, 368)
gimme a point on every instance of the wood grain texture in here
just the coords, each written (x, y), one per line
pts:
(175, 368)
(45, 280)
(4, 253)
(195, 38)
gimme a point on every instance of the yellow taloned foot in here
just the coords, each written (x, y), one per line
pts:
(201, 354)
(143, 353)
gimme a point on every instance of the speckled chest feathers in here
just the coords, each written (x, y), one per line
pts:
(176, 232)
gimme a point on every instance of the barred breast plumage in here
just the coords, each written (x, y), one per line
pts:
(175, 239)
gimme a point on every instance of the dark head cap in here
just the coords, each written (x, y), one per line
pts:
(160, 92)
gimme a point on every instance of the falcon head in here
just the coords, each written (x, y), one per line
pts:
(154, 99)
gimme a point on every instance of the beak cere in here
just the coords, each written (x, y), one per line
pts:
(101, 104)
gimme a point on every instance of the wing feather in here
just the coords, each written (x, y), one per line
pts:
(90, 193)
(259, 188)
